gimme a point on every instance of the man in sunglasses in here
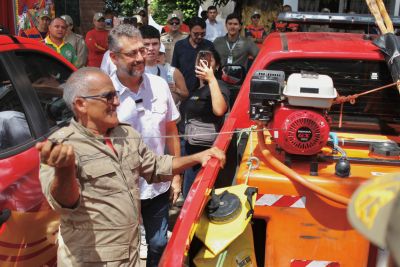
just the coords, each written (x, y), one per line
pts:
(90, 174)
(174, 34)
(185, 51)
(147, 105)
(255, 30)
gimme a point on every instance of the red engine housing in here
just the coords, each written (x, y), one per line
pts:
(299, 131)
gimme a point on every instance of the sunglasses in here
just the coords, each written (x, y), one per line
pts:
(199, 34)
(174, 23)
(256, 17)
(109, 97)
(134, 53)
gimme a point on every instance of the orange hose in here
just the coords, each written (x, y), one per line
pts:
(291, 174)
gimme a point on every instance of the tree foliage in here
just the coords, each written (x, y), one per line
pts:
(161, 8)
(125, 7)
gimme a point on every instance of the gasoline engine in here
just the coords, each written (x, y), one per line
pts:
(296, 113)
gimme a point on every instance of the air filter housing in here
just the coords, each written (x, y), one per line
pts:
(310, 90)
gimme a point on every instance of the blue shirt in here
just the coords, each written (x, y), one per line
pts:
(184, 59)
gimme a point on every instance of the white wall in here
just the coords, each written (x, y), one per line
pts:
(223, 11)
(293, 3)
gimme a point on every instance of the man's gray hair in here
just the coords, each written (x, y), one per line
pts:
(78, 84)
(121, 31)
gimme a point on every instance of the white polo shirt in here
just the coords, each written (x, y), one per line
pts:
(107, 65)
(148, 111)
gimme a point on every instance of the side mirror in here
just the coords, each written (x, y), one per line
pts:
(233, 74)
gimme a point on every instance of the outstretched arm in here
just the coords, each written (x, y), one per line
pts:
(179, 164)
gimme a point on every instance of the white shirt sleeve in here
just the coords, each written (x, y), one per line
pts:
(107, 65)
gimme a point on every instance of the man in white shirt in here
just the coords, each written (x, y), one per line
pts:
(146, 104)
(214, 28)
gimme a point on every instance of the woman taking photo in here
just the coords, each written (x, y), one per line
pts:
(205, 110)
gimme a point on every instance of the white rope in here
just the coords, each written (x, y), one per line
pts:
(148, 137)
(252, 162)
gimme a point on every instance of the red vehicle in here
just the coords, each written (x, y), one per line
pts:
(295, 223)
(31, 107)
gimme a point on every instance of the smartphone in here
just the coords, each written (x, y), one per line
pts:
(204, 56)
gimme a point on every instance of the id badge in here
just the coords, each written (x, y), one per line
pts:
(230, 59)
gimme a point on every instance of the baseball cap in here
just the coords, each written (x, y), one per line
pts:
(67, 19)
(44, 13)
(173, 16)
(255, 13)
(97, 16)
(374, 211)
(178, 13)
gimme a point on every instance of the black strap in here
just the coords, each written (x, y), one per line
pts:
(158, 71)
(284, 42)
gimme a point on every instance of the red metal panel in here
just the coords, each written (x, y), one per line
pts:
(300, 45)
(7, 15)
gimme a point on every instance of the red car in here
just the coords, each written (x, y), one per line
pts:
(294, 225)
(31, 107)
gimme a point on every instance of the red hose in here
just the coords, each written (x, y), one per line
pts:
(291, 174)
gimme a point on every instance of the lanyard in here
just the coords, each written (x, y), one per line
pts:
(229, 60)
(233, 46)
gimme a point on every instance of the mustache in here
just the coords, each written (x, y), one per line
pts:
(136, 63)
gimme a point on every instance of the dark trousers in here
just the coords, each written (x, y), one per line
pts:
(191, 173)
(155, 222)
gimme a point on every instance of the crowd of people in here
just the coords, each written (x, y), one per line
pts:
(150, 87)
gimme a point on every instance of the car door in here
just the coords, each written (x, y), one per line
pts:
(31, 107)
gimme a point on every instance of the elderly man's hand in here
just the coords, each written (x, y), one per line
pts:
(55, 154)
(213, 152)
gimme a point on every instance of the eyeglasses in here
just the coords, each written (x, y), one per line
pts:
(134, 53)
(109, 96)
(199, 34)
(174, 23)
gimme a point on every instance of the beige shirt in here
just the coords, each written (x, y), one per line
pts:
(80, 47)
(103, 227)
(169, 41)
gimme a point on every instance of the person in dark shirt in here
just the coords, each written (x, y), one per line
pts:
(184, 58)
(185, 51)
(208, 104)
